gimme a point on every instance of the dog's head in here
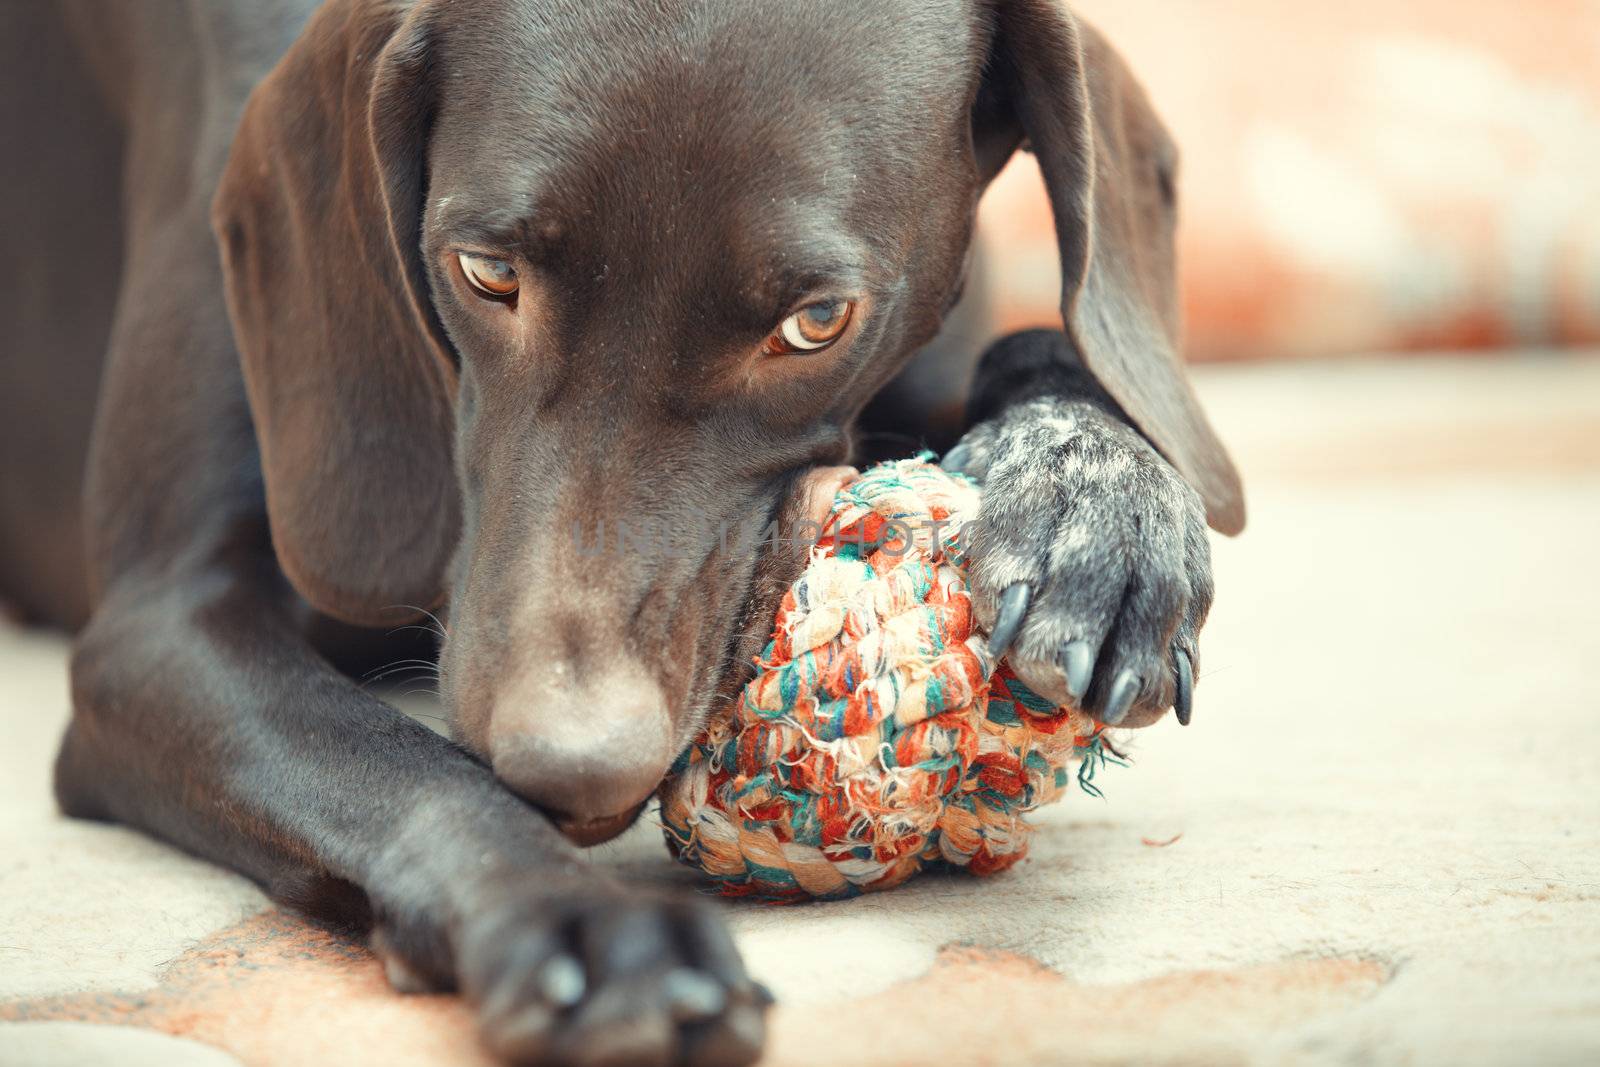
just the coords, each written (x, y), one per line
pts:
(538, 301)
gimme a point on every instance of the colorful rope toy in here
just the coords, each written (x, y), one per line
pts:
(877, 738)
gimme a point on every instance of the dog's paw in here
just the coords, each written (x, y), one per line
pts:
(605, 976)
(1090, 561)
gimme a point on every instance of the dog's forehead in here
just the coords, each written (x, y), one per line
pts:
(676, 118)
(824, 35)
(552, 70)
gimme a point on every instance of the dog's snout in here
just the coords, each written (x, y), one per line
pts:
(588, 779)
(589, 755)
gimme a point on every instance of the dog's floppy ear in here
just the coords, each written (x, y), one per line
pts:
(350, 380)
(1109, 168)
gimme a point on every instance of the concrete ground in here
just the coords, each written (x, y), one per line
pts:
(1378, 843)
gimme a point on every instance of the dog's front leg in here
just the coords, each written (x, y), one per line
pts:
(202, 716)
(1090, 557)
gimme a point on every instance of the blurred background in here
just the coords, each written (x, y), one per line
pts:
(1359, 176)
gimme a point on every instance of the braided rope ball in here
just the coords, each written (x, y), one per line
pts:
(877, 738)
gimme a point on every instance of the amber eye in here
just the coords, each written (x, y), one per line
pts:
(812, 328)
(492, 277)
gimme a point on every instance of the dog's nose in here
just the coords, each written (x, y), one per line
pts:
(589, 756)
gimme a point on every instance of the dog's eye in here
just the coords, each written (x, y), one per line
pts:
(490, 276)
(811, 329)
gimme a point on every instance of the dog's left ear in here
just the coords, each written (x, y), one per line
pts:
(350, 378)
(1109, 167)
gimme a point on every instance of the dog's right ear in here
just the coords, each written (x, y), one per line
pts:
(350, 378)
(1108, 165)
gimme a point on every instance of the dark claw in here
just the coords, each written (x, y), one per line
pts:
(1013, 606)
(762, 994)
(1183, 701)
(956, 459)
(693, 996)
(562, 982)
(1123, 691)
(1077, 660)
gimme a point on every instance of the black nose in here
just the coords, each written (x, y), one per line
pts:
(589, 756)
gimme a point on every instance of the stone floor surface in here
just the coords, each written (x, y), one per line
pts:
(1378, 843)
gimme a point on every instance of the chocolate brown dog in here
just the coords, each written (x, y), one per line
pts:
(393, 297)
